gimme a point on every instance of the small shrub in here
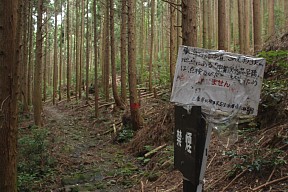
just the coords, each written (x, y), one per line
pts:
(34, 162)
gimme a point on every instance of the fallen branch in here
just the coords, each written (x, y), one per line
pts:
(142, 186)
(81, 107)
(65, 99)
(174, 188)
(269, 178)
(269, 183)
(150, 153)
(112, 129)
(213, 184)
(239, 175)
(106, 104)
(167, 163)
(211, 160)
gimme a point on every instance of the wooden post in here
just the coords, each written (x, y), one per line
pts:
(189, 146)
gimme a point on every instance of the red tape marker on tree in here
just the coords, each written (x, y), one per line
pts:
(135, 106)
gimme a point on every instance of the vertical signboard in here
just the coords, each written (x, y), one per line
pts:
(189, 142)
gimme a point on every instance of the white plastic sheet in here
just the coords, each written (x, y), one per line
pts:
(223, 84)
(217, 80)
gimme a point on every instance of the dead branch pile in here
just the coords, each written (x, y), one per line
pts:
(277, 43)
(158, 126)
(257, 161)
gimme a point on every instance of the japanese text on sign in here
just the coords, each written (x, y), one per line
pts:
(188, 140)
(217, 80)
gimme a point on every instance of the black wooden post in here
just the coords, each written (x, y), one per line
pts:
(190, 128)
(188, 186)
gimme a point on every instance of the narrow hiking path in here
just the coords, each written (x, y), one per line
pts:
(87, 159)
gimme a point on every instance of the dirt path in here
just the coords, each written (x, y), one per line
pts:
(87, 160)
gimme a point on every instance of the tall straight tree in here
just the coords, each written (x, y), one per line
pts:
(286, 13)
(87, 52)
(37, 97)
(172, 42)
(95, 60)
(222, 32)
(246, 26)
(179, 25)
(106, 49)
(46, 56)
(228, 24)
(240, 26)
(25, 54)
(117, 99)
(151, 44)
(9, 48)
(78, 81)
(271, 18)
(257, 25)
(205, 22)
(81, 63)
(123, 49)
(61, 39)
(209, 24)
(189, 22)
(30, 61)
(55, 66)
(235, 24)
(136, 118)
(68, 51)
(141, 40)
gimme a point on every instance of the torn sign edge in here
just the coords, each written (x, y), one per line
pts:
(240, 58)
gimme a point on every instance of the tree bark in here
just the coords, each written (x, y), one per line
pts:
(246, 26)
(81, 63)
(55, 66)
(235, 25)
(78, 81)
(271, 18)
(136, 118)
(222, 30)
(25, 55)
(87, 54)
(106, 52)
(68, 52)
(205, 22)
(9, 55)
(31, 50)
(189, 22)
(45, 63)
(96, 105)
(117, 99)
(123, 49)
(286, 13)
(257, 26)
(172, 43)
(141, 40)
(209, 23)
(61, 39)
(151, 44)
(179, 26)
(37, 97)
(228, 24)
(240, 26)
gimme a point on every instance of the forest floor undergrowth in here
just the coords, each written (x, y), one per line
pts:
(87, 155)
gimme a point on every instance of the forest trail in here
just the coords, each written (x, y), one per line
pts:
(87, 159)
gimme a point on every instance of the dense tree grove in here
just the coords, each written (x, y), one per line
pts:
(73, 47)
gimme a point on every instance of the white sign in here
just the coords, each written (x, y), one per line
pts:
(217, 80)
